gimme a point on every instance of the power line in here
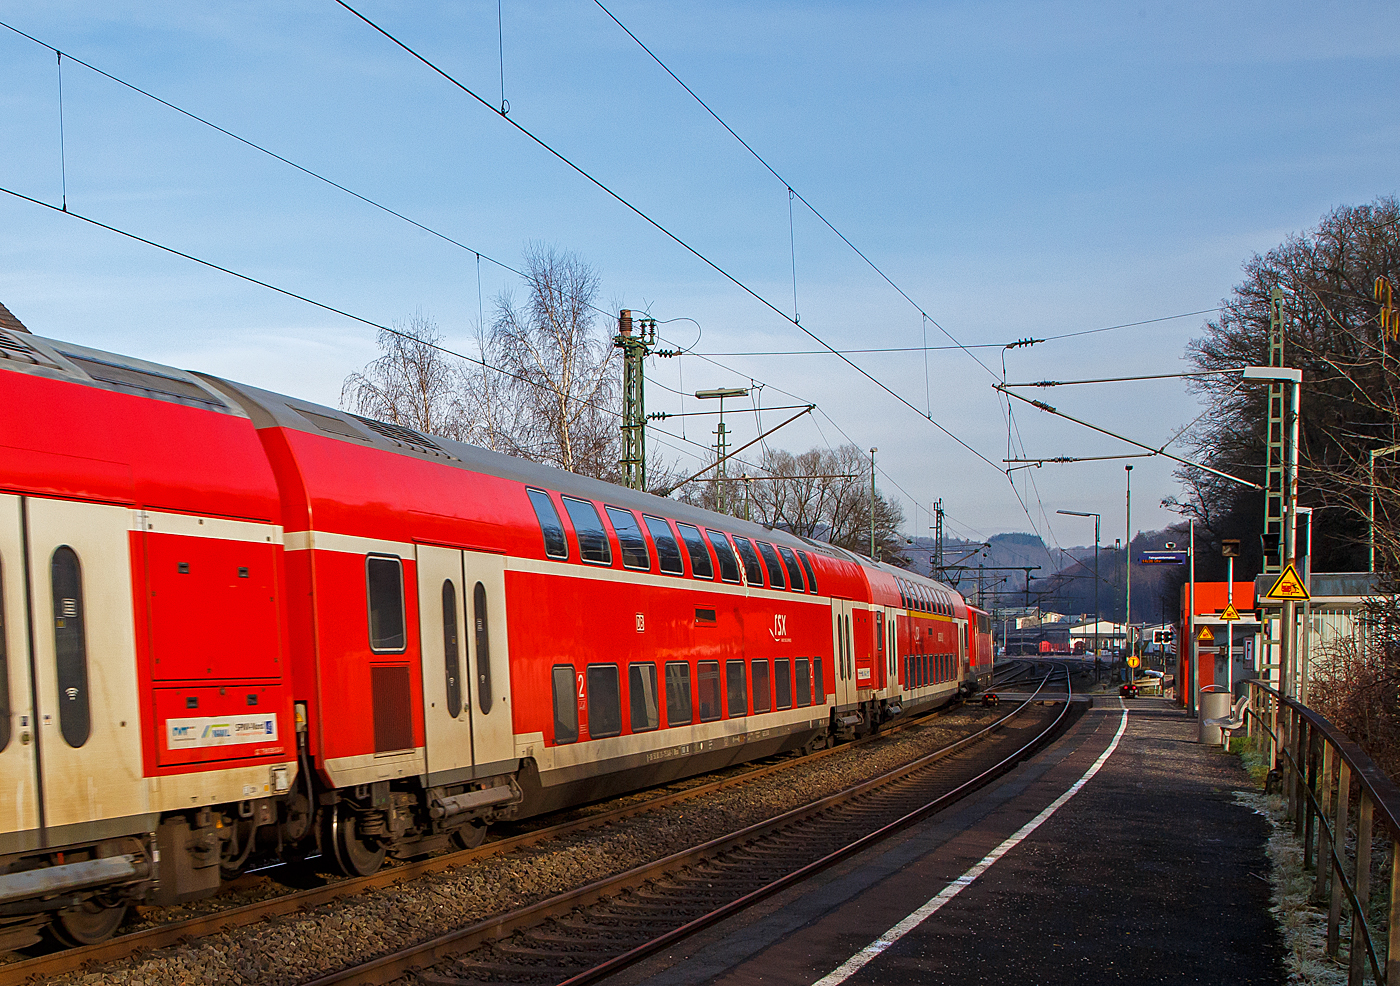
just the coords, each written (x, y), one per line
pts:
(635, 210)
(970, 345)
(270, 153)
(791, 191)
(334, 184)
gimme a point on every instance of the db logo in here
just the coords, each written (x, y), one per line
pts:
(779, 630)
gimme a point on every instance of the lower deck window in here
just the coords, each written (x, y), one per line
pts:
(604, 701)
(818, 689)
(736, 688)
(782, 684)
(762, 687)
(677, 694)
(565, 705)
(707, 682)
(803, 672)
(384, 583)
(641, 693)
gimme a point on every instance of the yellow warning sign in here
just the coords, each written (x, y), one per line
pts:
(1205, 636)
(1133, 661)
(1230, 612)
(1288, 586)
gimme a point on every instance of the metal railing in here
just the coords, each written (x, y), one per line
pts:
(1319, 766)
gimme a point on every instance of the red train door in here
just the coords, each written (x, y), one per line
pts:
(862, 632)
(466, 671)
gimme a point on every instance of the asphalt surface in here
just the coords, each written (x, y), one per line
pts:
(1150, 873)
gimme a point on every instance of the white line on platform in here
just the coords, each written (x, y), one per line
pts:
(918, 917)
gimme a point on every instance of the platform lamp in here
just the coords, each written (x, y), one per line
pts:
(1097, 519)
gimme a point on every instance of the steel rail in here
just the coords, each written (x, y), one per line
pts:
(388, 968)
(174, 933)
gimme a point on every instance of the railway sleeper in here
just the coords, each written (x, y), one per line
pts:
(571, 949)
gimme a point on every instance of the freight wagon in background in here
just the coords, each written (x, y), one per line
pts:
(235, 625)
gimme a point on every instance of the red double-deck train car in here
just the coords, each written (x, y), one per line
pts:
(236, 623)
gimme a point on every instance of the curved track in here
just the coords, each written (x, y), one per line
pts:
(596, 930)
(526, 834)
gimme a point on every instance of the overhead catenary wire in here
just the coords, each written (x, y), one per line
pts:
(1156, 451)
(639, 213)
(1150, 376)
(261, 149)
(309, 301)
(443, 236)
(478, 255)
(788, 185)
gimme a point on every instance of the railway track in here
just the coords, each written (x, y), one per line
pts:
(594, 931)
(525, 835)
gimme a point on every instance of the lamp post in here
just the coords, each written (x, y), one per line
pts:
(1128, 580)
(721, 434)
(1097, 518)
(1117, 547)
(1288, 624)
(872, 503)
(1230, 549)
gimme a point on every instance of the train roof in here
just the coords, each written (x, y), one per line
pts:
(268, 409)
(127, 374)
(70, 362)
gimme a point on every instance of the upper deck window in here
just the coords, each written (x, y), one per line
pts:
(794, 570)
(555, 544)
(700, 566)
(807, 567)
(668, 553)
(630, 539)
(770, 562)
(753, 569)
(588, 526)
(728, 564)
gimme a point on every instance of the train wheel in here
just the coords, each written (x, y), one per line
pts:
(469, 836)
(353, 855)
(86, 924)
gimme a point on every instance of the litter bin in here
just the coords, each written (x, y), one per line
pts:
(1214, 704)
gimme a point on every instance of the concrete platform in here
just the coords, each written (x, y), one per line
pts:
(1146, 872)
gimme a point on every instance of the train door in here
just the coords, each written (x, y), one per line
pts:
(862, 624)
(442, 621)
(880, 660)
(84, 667)
(19, 811)
(963, 650)
(842, 641)
(493, 731)
(484, 659)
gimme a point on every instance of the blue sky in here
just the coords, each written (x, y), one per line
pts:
(1018, 169)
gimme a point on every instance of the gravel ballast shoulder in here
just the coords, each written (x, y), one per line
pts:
(298, 947)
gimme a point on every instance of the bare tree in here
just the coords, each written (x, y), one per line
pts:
(564, 373)
(493, 414)
(825, 494)
(1351, 388)
(412, 383)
